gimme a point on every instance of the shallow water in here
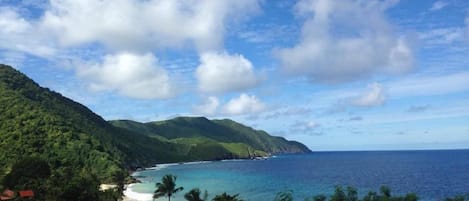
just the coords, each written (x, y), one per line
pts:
(433, 175)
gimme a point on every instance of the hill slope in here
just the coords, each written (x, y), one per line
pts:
(35, 121)
(226, 133)
(76, 150)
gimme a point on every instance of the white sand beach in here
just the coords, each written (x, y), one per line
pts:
(130, 195)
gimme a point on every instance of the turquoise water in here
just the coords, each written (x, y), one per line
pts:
(433, 175)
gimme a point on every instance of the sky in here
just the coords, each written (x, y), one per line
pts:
(332, 74)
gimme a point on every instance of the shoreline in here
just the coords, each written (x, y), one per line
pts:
(130, 195)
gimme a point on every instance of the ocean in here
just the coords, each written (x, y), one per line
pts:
(433, 175)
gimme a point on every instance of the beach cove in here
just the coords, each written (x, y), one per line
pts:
(433, 175)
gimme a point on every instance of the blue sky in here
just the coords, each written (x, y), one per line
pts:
(335, 75)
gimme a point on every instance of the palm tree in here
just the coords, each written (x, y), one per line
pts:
(194, 195)
(167, 187)
(227, 197)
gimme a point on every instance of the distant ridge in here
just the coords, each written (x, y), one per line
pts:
(233, 136)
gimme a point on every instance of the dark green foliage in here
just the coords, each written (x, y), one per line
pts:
(226, 197)
(195, 195)
(371, 196)
(26, 172)
(351, 194)
(339, 194)
(318, 198)
(458, 198)
(81, 188)
(29, 173)
(167, 187)
(284, 196)
(385, 191)
(411, 197)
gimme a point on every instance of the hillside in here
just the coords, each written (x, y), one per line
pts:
(75, 149)
(194, 131)
(35, 121)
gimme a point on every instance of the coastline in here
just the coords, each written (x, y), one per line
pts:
(130, 195)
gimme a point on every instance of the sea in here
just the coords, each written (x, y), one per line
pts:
(432, 175)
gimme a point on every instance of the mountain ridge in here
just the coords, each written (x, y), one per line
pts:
(219, 130)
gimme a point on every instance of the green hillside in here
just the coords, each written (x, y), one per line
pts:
(240, 140)
(35, 121)
(75, 149)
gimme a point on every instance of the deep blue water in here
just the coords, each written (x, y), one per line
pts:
(433, 175)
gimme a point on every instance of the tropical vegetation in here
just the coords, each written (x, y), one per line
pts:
(167, 187)
(195, 195)
(82, 151)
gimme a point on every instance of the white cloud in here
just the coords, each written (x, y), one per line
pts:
(442, 36)
(345, 40)
(438, 5)
(208, 107)
(244, 104)
(221, 72)
(133, 75)
(306, 127)
(18, 34)
(144, 25)
(373, 96)
(311, 124)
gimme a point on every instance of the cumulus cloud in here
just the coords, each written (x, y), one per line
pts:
(222, 72)
(18, 34)
(345, 40)
(438, 5)
(144, 25)
(244, 104)
(133, 75)
(208, 107)
(373, 96)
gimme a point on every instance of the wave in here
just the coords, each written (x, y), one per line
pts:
(136, 196)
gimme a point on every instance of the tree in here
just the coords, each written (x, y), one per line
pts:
(411, 197)
(385, 191)
(227, 197)
(352, 194)
(320, 198)
(26, 171)
(284, 196)
(339, 194)
(371, 196)
(167, 187)
(29, 173)
(194, 195)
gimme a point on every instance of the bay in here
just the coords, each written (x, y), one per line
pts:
(433, 175)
